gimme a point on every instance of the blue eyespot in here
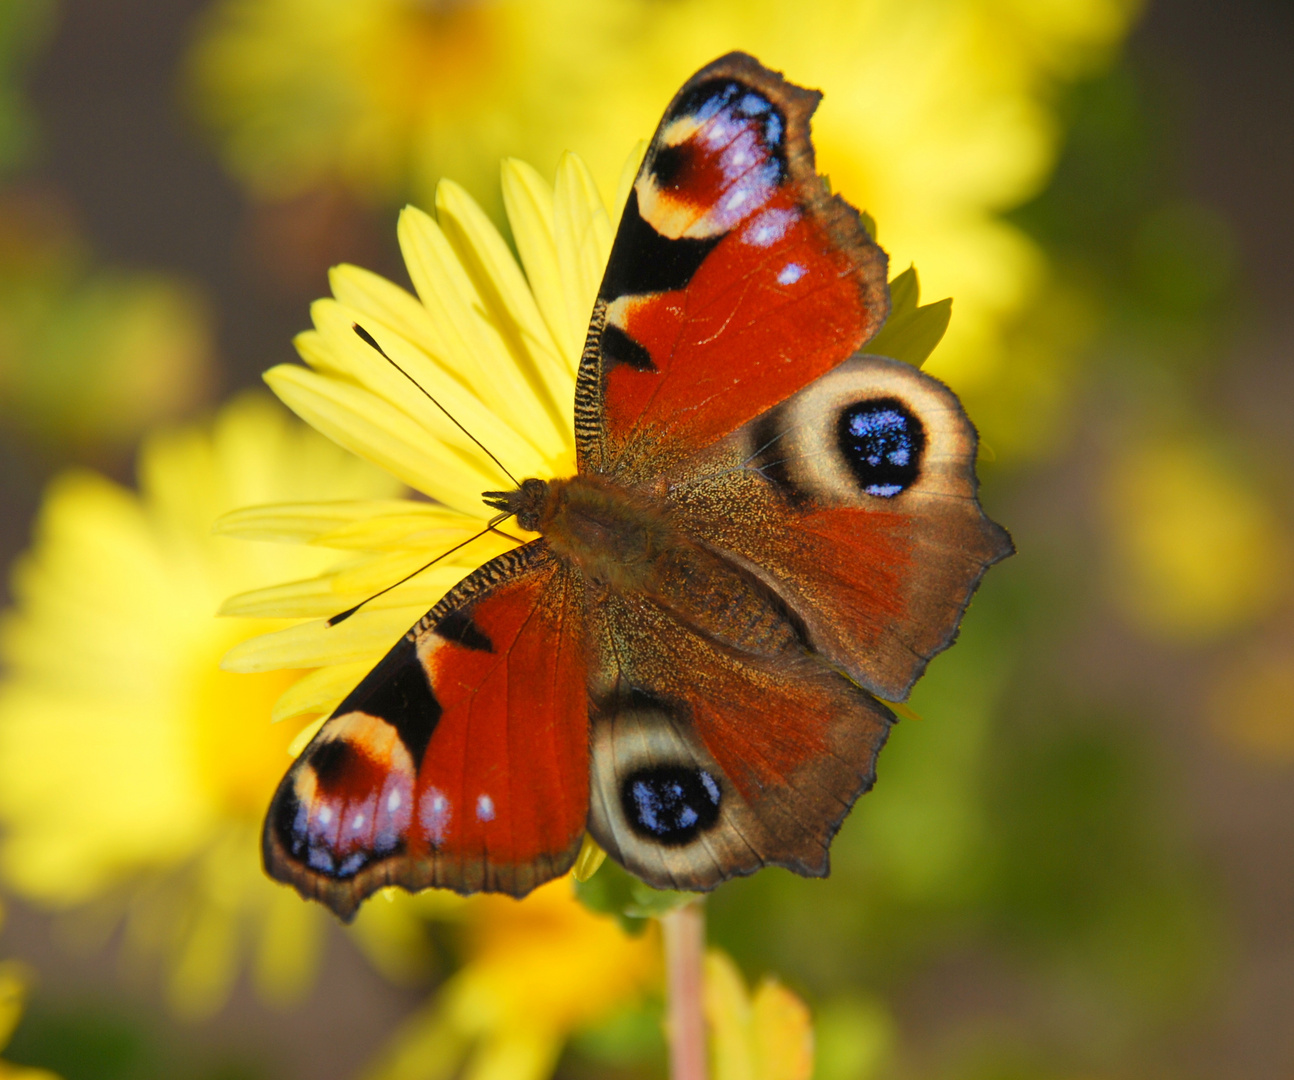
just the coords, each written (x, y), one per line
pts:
(882, 442)
(671, 804)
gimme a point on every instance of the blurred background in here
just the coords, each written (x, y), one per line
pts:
(1079, 862)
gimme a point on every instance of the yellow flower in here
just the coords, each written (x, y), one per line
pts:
(133, 772)
(536, 971)
(937, 115)
(376, 92)
(1198, 550)
(499, 354)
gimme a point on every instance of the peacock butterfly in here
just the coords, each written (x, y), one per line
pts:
(769, 532)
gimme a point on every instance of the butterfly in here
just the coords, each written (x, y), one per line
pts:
(768, 536)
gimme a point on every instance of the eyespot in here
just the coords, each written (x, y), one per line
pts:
(670, 804)
(882, 442)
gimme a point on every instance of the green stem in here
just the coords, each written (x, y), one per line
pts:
(684, 930)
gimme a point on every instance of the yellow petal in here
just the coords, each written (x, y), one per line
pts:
(382, 571)
(509, 302)
(628, 175)
(384, 303)
(767, 1038)
(313, 598)
(371, 428)
(319, 691)
(583, 232)
(519, 1053)
(422, 526)
(528, 200)
(478, 349)
(365, 636)
(304, 523)
(782, 1034)
(727, 1012)
(424, 390)
(589, 860)
(303, 737)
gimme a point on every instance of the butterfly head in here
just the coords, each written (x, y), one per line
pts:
(526, 502)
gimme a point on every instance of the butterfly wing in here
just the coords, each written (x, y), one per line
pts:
(855, 500)
(710, 761)
(734, 278)
(461, 760)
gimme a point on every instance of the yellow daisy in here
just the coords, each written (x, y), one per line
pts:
(499, 353)
(133, 772)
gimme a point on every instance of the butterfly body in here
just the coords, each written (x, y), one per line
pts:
(769, 534)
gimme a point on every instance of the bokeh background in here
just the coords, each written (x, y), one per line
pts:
(1079, 861)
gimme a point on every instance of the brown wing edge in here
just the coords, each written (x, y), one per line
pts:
(996, 540)
(344, 897)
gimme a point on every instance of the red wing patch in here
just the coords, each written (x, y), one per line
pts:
(461, 761)
(734, 279)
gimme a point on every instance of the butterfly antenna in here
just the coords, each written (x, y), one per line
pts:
(343, 616)
(367, 338)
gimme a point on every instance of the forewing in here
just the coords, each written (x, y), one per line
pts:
(461, 760)
(856, 501)
(734, 279)
(710, 762)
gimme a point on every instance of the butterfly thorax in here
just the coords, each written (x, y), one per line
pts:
(624, 542)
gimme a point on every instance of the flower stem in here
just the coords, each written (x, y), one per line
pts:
(684, 930)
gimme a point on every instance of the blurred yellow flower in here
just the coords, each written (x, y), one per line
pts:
(382, 93)
(937, 115)
(535, 972)
(1197, 549)
(500, 354)
(133, 772)
(764, 1036)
